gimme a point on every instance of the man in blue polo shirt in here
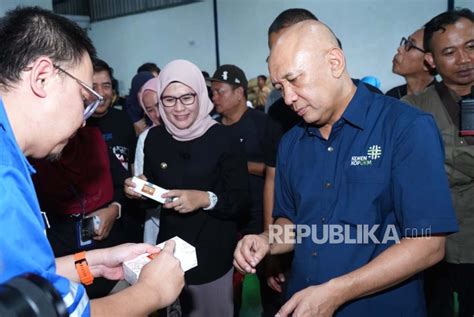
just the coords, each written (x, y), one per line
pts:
(360, 182)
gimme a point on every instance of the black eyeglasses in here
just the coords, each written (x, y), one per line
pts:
(93, 98)
(408, 45)
(186, 100)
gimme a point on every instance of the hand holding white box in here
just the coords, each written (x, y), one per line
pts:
(184, 252)
(149, 190)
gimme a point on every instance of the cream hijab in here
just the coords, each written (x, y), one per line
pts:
(189, 74)
(149, 85)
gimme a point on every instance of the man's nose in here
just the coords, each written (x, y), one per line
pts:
(289, 96)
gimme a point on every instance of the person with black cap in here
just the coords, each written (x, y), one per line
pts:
(229, 94)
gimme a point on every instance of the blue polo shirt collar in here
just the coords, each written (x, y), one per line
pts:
(7, 129)
(355, 113)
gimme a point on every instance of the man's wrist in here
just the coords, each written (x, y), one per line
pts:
(265, 235)
(118, 207)
(93, 258)
(340, 289)
(82, 268)
(141, 289)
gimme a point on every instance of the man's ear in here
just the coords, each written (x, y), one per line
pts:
(42, 71)
(427, 68)
(430, 60)
(337, 62)
(241, 92)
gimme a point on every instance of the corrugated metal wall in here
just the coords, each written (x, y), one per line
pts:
(108, 9)
(72, 7)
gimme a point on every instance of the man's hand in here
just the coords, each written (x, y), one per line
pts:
(108, 262)
(274, 282)
(274, 273)
(163, 275)
(186, 200)
(313, 301)
(159, 284)
(250, 250)
(107, 218)
(393, 266)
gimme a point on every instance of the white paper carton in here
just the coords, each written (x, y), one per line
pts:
(184, 252)
(132, 268)
(149, 190)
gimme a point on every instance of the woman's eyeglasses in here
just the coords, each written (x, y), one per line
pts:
(186, 100)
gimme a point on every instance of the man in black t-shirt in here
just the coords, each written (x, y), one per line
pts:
(229, 86)
(119, 135)
(249, 127)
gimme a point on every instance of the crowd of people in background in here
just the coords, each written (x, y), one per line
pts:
(242, 160)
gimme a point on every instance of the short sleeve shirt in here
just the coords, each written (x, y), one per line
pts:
(119, 135)
(253, 131)
(379, 177)
(24, 247)
(284, 119)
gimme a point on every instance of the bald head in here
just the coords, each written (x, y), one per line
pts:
(306, 36)
(409, 61)
(305, 45)
(309, 68)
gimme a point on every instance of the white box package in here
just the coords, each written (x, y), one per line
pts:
(184, 252)
(149, 190)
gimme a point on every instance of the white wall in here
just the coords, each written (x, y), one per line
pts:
(158, 36)
(370, 31)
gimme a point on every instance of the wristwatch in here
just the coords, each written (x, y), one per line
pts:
(212, 201)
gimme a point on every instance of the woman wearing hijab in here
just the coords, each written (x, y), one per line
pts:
(195, 157)
(148, 99)
(132, 105)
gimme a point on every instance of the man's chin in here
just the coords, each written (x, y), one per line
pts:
(55, 156)
(56, 153)
(101, 111)
(313, 120)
